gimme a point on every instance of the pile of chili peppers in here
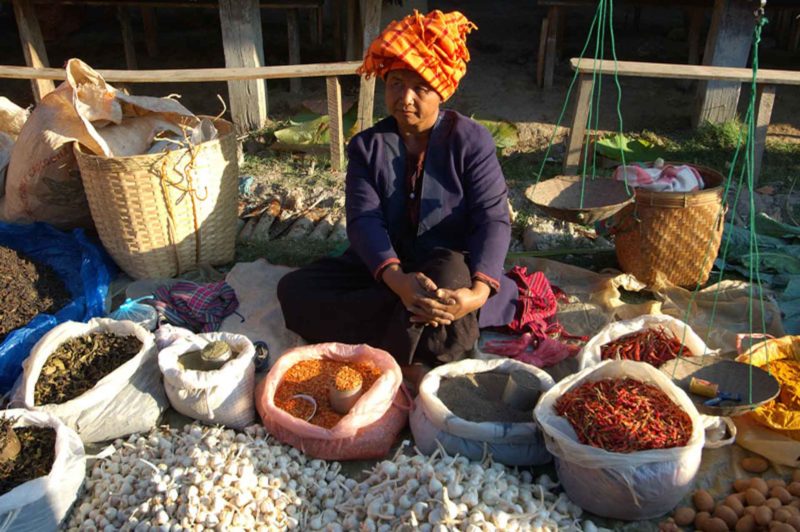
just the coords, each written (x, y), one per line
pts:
(316, 378)
(654, 346)
(624, 416)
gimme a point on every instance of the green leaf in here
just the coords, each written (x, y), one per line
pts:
(773, 261)
(504, 133)
(771, 227)
(636, 150)
(309, 128)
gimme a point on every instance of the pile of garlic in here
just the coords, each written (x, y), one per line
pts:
(205, 478)
(441, 492)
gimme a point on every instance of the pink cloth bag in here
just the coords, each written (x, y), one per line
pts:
(366, 432)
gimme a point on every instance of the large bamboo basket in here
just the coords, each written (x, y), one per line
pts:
(162, 215)
(672, 236)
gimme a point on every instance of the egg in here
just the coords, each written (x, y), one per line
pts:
(726, 514)
(703, 501)
(754, 464)
(794, 488)
(781, 514)
(700, 519)
(794, 521)
(760, 484)
(773, 502)
(781, 493)
(754, 497)
(746, 523)
(777, 526)
(684, 516)
(715, 524)
(741, 484)
(763, 515)
(771, 483)
(733, 502)
(796, 475)
(750, 510)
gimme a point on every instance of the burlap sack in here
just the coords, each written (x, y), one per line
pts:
(42, 181)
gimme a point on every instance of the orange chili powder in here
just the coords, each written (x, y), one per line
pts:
(315, 378)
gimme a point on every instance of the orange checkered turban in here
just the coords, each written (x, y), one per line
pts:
(433, 45)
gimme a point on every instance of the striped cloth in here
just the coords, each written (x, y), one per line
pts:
(199, 307)
(433, 45)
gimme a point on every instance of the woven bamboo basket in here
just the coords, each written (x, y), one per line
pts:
(164, 214)
(672, 236)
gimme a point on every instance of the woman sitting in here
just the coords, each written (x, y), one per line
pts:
(427, 214)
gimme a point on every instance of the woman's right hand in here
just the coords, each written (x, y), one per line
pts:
(418, 294)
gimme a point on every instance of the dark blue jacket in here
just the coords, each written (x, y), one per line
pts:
(463, 203)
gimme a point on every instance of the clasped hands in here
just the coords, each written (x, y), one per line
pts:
(429, 304)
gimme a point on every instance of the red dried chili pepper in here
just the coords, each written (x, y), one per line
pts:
(654, 346)
(624, 415)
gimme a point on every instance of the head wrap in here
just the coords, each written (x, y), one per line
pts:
(433, 45)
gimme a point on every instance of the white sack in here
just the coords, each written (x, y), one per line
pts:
(631, 486)
(512, 444)
(42, 503)
(223, 396)
(589, 356)
(129, 399)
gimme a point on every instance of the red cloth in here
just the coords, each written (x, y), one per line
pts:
(534, 321)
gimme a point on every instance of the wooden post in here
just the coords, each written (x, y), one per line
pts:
(765, 98)
(293, 29)
(351, 20)
(32, 45)
(550, 49)
(150, 23)
(123, 15)
(542, 52)
(580, 117)
(371, 12)
(696, 19)
(728, 44)
(337, 29)
(244, 47)
(335, 124)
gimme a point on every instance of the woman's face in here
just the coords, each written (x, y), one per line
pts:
(413, 103)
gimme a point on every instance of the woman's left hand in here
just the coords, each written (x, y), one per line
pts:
(462, 301)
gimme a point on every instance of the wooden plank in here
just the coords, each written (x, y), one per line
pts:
(551, 44)
(541, 53)
(727, 44)
(244, 47)
(336, 128)
(371, 13)
(675, 71)
(196, 75)
(765, 99)
(32, 45)
(124, 17)
(150, 23)
(293, 30)
(580, 117)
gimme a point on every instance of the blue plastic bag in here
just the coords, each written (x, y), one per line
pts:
(85, 270)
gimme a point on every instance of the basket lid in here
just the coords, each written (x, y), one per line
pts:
(560, 197)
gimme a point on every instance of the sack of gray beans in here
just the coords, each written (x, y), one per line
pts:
(473, 407)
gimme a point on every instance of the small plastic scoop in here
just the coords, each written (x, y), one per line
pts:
(522, 390)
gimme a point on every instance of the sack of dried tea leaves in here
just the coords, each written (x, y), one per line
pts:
(130, 398)
(212, 394)
(43, 502)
